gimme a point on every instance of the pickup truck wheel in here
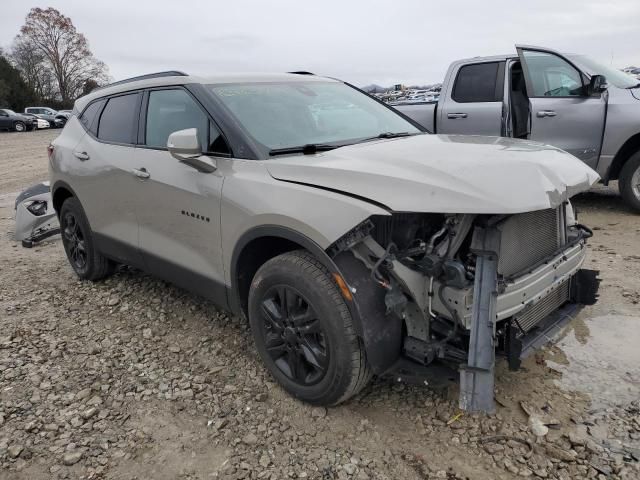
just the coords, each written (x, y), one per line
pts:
(78, 243)
(304, 332)
(19, 127)
(629, 181)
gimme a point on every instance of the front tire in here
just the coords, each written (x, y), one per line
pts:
(304, 332)
(19, 127)
(629, 181)
(79, 245)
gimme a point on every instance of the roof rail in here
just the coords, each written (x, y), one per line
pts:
(168, 73)
(302, 72)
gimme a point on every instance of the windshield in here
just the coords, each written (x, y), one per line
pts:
(614, 77)
(10, 112)
(288, 114)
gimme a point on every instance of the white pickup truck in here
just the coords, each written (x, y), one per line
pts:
(569, 101)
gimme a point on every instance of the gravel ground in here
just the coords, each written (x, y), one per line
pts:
(132, 378)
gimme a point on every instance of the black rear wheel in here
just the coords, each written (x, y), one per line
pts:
(77, 239)
(304, 332)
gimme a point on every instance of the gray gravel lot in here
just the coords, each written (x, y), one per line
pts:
(132, 378)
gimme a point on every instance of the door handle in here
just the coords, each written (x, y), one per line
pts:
(456, 115)
(545, 113)
(141, 173)
(81, 155)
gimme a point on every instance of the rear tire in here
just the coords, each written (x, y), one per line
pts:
(629, 181)
(79, 245)
(19, 127)
(304, 332)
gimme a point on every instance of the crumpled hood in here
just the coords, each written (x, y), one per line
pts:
(444, 173)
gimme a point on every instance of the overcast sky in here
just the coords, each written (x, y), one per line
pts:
(363, 42)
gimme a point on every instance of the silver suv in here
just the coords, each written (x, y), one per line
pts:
(354, 242)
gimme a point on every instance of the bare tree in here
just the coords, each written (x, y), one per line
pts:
(49, 48)
(34, 68)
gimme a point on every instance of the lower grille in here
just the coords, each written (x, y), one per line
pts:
(529, 318)
(528, 238)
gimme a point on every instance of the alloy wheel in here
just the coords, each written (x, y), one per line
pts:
(75, 241)
(294, 337)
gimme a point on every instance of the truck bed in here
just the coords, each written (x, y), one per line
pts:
(424, 113)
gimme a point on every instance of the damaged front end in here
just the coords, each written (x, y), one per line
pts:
(414, 280)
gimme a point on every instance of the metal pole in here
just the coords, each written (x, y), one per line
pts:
(477, 376)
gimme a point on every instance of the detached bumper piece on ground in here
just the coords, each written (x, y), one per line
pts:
(35, 216)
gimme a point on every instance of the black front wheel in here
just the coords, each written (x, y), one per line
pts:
(629, 181)
(304, 332)
(77, 239)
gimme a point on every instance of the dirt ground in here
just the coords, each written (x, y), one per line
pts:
(132, 378)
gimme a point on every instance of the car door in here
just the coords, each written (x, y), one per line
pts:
(104, 159)
(5, 121)
(178, 207)
(563, 114)
(475, 104)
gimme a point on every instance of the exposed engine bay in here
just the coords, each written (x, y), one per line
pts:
(425, 265)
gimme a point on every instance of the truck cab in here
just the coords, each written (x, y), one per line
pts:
(565, 100)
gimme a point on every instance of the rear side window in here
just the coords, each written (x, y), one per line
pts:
(479, 82)
(119, 119)
(89, 117)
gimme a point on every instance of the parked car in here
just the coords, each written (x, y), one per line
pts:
(39, 123)
(10, 120)
(55, 119)
(346, 234)
(570, 101)
(63, 116)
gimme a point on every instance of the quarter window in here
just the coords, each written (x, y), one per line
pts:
(552, 76)
(89, 117)
(479, 82)
(119, 119)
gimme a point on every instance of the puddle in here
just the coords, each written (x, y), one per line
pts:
(600, 356)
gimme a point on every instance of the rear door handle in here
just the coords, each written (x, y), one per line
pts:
(545, 113)
(456, 115)
(141, 173)
(81, 155)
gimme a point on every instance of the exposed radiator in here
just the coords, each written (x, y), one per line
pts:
(530, 317)
(528, 238)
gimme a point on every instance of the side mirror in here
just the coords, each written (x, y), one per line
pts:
(184, 146)
(597, 85)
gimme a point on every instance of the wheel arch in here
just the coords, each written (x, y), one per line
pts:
(59, 193)
(631, 146)
(260, 244)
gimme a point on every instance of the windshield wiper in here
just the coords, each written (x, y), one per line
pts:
(308, 149)
(393, 134)
(635, 86)
(389, 135)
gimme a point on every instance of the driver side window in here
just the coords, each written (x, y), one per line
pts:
(552, 76)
